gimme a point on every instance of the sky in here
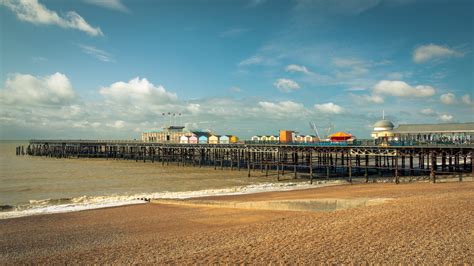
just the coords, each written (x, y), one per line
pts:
(109, 69)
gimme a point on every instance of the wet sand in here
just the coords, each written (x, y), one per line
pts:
(421, 223)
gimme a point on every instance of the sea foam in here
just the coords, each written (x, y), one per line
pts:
(49, 206)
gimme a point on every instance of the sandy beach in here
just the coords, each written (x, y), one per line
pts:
(407, 223)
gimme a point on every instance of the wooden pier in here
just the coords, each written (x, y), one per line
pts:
(295, 161)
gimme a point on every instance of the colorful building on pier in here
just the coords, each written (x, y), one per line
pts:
(178, 134)
(340, 137)
(384, 130)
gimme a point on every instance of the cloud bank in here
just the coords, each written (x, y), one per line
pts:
(430, 52)
(286, 85)
(27, 90)
(36, 13)
(116, 5)
(402, 89)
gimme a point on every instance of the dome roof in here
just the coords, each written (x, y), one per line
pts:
(384, 124)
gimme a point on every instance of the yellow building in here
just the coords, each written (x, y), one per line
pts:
(214, 139)
(234, 139)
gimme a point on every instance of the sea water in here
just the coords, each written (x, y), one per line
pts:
(36, 185)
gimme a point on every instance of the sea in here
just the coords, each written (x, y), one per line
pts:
(39, 185)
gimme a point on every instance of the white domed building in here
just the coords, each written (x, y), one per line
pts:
(383, 130)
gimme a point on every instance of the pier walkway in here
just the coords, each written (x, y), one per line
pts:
(310, 161)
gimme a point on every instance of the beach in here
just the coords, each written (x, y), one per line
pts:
(421, 223)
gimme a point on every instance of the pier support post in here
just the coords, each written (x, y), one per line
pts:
(472, 163)
(311, 166)
(433, 167)
(366, 174)
(222, 159)
(278, 165)
(397, 181)
(238, 160)
(349, 158)
(248, 163)
(295, 162)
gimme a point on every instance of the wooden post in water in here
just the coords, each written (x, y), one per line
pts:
(264, 161)
(222, 159)
(278, 165)
(215, 158)
(397, 181)
(238, 160)
(311, 166)
(366, 173)
(248, 163)
(295, 162)
(450, 162)
(349, 157)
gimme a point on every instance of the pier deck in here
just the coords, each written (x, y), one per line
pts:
(307, 161)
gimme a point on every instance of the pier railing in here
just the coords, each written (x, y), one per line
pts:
(313, 160)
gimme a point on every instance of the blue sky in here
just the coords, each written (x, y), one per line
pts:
(110, 68)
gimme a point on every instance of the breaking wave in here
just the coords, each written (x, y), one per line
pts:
(62, 205)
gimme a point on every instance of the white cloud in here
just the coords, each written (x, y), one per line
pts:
(445, 118)
(254, 60)
(441, 117)
(110, 4)
(338, 7)
(283, 108)
(356, 89)
(351, 67)
(466, 98)
(127, 108)
(97, 53)
(297, 68)
(138, 92)
(428, 112)
(329, 108)
(286, 85)
(36, 13)
(235, 89)
(30, 90)
(194, 108)
(430, 52)
(363, 99)
(402, 89)
(117, 124)
(86, 124)
(448, 98)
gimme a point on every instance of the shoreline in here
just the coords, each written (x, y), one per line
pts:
(111, 201)
(125, 200)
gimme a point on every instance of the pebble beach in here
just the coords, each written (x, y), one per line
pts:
(420, 223)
